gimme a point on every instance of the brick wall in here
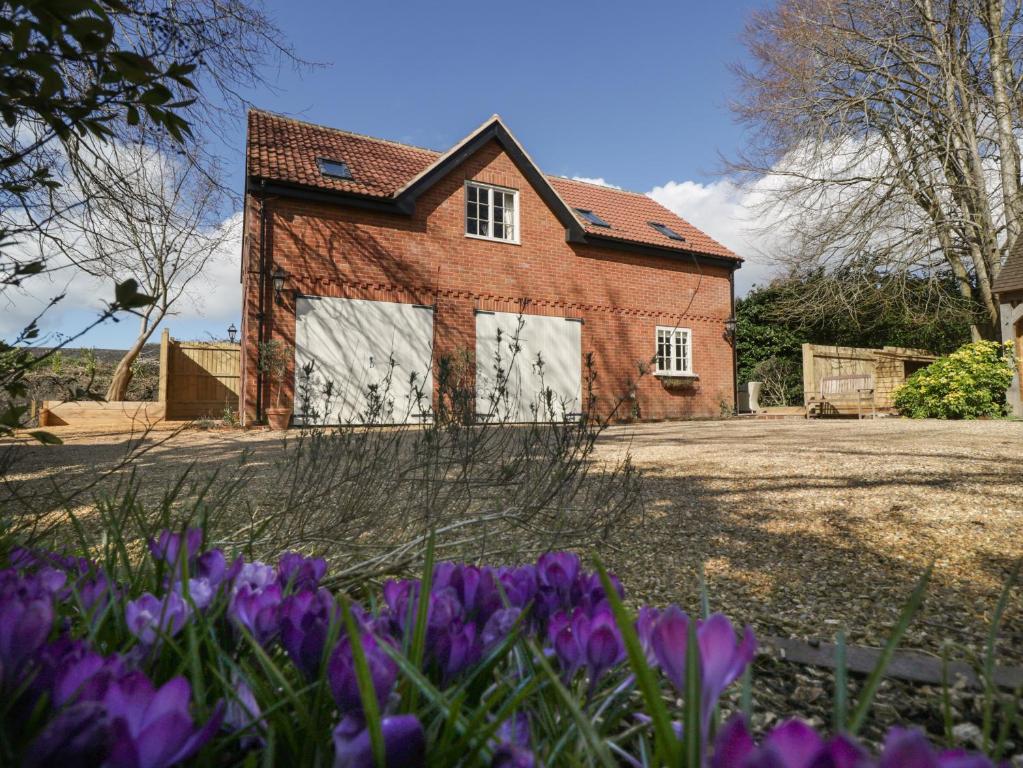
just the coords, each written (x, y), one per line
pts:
(340, 251)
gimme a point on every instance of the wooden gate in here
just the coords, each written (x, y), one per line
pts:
(198, 378)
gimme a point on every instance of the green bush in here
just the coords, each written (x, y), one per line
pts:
(967, 384)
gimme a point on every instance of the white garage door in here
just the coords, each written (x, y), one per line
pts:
(362, 362)
(543, 377)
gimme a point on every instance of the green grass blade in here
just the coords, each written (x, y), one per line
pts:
(666, 745)
(746, 692)
(367, 692)
(841, 685)
(946, 700)
(417, 649)
(874, 679)
(596, 745)
(692, 732)
(989, 655)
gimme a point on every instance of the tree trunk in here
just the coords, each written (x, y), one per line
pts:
(119, 384)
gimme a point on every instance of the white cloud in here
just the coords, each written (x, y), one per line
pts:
(727, 212)
(214, 296)
(599, 180)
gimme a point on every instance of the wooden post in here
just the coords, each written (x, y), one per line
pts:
(809, 386)
(164, 365)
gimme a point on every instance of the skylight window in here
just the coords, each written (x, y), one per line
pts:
(667, 231)
(334, 168)
(593, 218)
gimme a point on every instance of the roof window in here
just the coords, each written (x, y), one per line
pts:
(334, 168)
(667, 231)
(592, 218)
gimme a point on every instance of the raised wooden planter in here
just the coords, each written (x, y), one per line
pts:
(127, 414)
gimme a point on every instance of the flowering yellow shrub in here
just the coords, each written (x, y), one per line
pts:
(966, 384)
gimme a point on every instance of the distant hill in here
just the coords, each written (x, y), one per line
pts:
(150, 352)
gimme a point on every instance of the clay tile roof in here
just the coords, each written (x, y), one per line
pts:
(630, 215)
(282, 149)
(1010, 279)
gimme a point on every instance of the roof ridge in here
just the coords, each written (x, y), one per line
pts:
(343, 132)
(615, 188)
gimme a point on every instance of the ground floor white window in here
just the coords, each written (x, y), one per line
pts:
(674, 351)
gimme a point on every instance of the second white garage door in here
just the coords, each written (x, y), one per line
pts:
(351, 344)
(543, 378)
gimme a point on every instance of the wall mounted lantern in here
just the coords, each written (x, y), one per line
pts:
(231, 332)
(730, 326)
(278, 277)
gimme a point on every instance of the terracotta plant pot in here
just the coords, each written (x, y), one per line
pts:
(278, 418)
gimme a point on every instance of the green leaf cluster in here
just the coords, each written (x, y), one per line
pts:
(967, 384)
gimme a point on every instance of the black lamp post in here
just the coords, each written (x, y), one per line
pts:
(231, 332)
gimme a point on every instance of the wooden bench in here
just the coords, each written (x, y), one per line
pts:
(838, 395)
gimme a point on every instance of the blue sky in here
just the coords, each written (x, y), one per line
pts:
(635, 93)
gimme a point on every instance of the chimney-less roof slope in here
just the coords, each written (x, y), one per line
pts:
(284, 150)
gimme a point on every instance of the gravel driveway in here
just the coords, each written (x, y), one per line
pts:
(802, 527)
(805, 527)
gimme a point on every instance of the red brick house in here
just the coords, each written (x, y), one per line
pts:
(390, 258)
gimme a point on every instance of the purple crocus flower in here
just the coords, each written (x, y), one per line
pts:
(455, 648)
(518, 584)
(557, 571)
(305, 619)
(722, 659)
(82, 674)
(512, 747)
(152, 727)
(604, 646)
(25, 622)
(793, 744)
(78, 737)
(299, 572)
(243, 713)
(646, 620)
(167, 546)
(255, 575)
(579, 640)
(212, 566)
(563, 634)
(200, 592)
(94, 591)
(149, 616)
(910, 747)
(498, 626)
(257, 610)
(404, 743)
(341, 673)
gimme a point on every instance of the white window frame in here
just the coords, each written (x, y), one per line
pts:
(490, 189)
(672, 333)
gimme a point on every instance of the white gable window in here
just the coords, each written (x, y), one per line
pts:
(674, 352)
(491, 212)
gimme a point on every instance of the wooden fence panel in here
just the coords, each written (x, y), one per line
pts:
(201, 379)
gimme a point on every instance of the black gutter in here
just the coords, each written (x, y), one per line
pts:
(735, 347)
(644, 249)
(328, 197)
(261, 314)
